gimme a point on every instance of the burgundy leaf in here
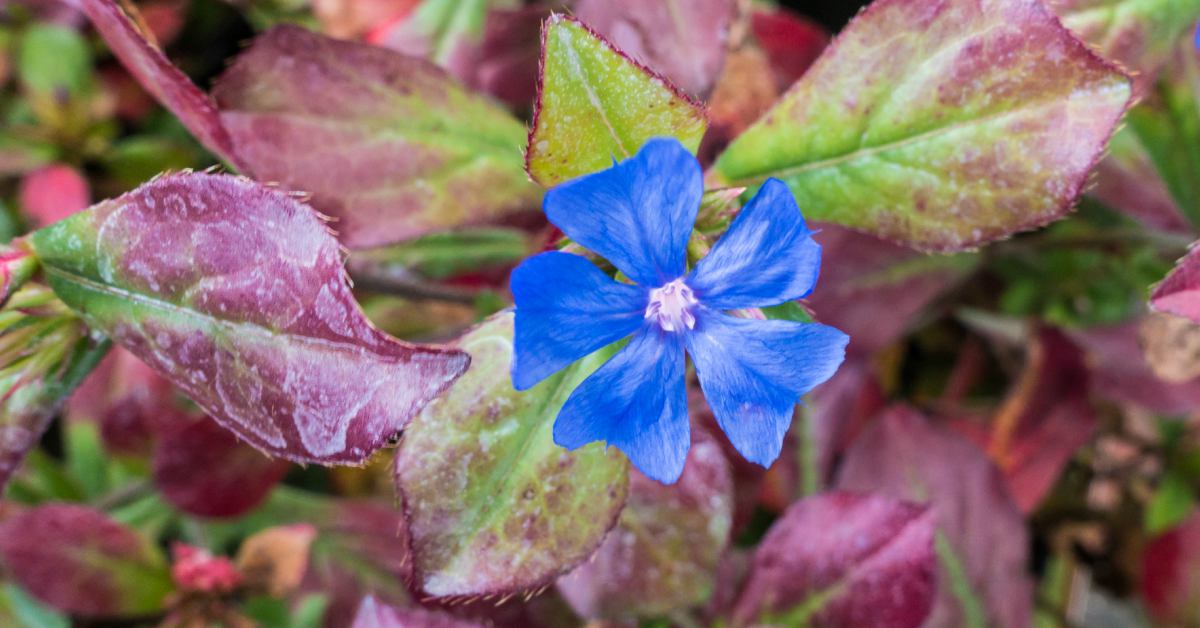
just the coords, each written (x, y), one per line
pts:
(905, 456)
(159, 77)
(80, 561)
(844, 559)
(236, 292)
(206, 471)
(1171, 574)
(508, 64)
(390, 146)
(663, 554)
(127, 399)
(374, 614)
(791, 42)
(685, 43)
(841, 408)
(1179, 293)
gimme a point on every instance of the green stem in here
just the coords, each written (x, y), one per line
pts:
(810, 474)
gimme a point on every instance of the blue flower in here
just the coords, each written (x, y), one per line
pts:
(639, 215)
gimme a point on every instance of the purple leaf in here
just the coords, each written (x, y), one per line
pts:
(128, 400)
(159, 77)
(390, 146)
(1179, 293)
(236, 293)
(1120, 372)
(663, 554)
(373, 614)
(80, 561)
(685, 43)
(981, 537)
(844, 559)
(205, 471)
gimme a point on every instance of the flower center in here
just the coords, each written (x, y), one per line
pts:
(671, 305)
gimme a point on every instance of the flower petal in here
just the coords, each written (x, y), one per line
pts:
(766, 257)
(566, 309)
(637, 214)
(753, 372)
(635, 402)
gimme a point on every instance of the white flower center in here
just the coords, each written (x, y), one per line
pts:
(671, 305)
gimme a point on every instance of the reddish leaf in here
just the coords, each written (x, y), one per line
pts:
(841, 408)
(205, 471)
(1120, 372)
(684, 43)
(983, 544)
(237, 294)
(390, 146)
(162, 79)
(508, 64)
(52, 193)
(1171, 575)
(78, 560)
(844, 559)
(374, 614)
(664, 552)
(792, 43)
(862, 275)
(127, 399)
(1179, 293)
(1127, 180)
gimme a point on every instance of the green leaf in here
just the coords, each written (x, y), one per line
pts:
(493, 505)
(595, 104)
(975, 120)
(55, 58)
(437, 29)
(1171, 504)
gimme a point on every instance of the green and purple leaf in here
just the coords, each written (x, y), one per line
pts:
(595, 104)
(844, 559)
(493, 505)
(236, 293)
(157, 75)
(80, 561)
(203, 470)
(390, 146)
(981, 540)
(1138, 34)
(664, 553)
(683, 41)
(975, 121)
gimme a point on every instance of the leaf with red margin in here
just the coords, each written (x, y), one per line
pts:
(204, 470)
(792, 42)
(685, 42)
(595, 104)
(975, 121)
(862, 275)
(493, 505)
(1179, 292)
(982, 543)
(1120, 373)
(664, 553)
(390, 146)
(1170, 577)
(843, 559)
(1138, 34)
(374, 614)
(80, 561)
(236, 293)
(159, 77)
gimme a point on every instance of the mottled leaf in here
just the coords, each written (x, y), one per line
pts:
(595, 104)
(862, 275)
(78, 560)
(237, 294)
(388, 145)
(683, 41)
(158, 76)
(843, 559)
(982, 543)
(204, 470)
(1138, 34)
(1170, 577)
(493, 505)
(374, 614)
(976, 120)
(663, 554)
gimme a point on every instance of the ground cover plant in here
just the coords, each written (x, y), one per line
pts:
(599, 312)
